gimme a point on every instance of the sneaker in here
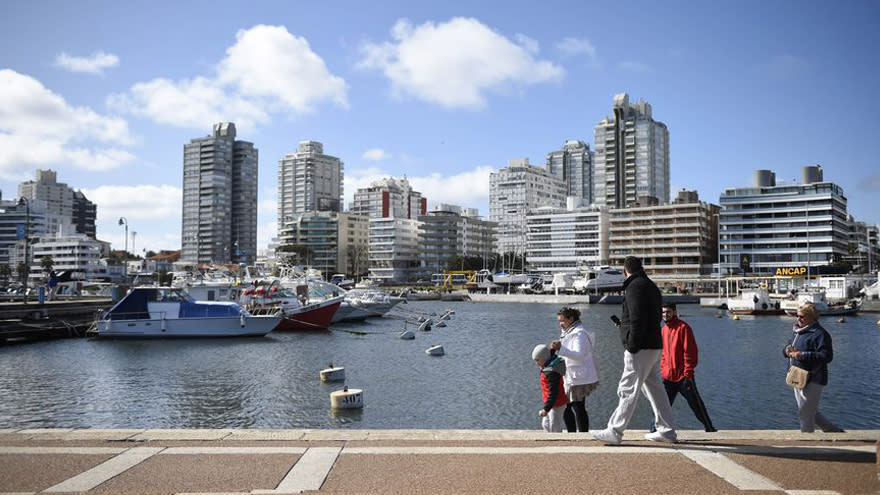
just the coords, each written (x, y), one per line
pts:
(658, 437)
(607, 436)
(711, 429)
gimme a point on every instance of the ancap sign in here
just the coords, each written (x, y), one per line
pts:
(791, 271)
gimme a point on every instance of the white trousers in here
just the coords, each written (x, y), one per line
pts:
(641, 371)
(553, 422)
(808, 409)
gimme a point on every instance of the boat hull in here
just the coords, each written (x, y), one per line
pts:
(309, 318)
(248, 326)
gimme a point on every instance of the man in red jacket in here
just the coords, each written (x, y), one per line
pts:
(677, 364)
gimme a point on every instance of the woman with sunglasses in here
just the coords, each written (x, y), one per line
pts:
(810, 349)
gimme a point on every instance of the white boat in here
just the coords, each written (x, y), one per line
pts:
(817, 299)
(503, 278)
(600, 279)
(168, 312)
(343, 282)
(754, 301)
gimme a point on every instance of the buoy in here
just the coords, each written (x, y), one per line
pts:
(735, 317)
(841, 320)
(436, 350)
(441, 324)
(347, 398)
(878, 322)
(333, 374)
(422, 318)
(407, 335)
(425, 326)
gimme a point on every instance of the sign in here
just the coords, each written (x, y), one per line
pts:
(791, 271)
(19, 231)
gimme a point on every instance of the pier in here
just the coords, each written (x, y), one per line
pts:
(233, 461)
(21, 321)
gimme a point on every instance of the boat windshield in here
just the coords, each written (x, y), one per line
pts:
(172, 295)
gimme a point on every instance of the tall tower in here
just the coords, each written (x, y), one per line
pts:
(574, 164)
(64, 205)
(219, 198)
(308, 180)
(632, 156)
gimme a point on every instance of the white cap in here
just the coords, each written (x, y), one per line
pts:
(541, 352)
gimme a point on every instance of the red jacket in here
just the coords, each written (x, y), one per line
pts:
(548, 388)
(679, 351)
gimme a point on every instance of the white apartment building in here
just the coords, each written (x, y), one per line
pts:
(514, 191)
(394, 249)
(389, 198)
(308, 180)
(675, 240)
(71, 252)
(17, 220)
(450, 231)
(574, 165)
(631, 158)
(772, 225)
(61, 204)
(336, 242)
(567, 240)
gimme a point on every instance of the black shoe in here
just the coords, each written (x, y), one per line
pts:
(711, 429)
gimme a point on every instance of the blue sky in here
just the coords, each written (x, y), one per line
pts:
(107, 93)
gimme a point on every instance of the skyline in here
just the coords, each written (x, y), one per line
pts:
(108, 95)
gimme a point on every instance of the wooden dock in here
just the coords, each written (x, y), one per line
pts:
(24, 322)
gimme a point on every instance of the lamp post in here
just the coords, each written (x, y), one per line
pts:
(718, 236)
(27, 232)
(124, 221)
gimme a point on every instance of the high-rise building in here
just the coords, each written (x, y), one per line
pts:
(63, 205)
(513, 191)
(308, 180)
(794, 225)
(219, 198)
(631, 157)
(394, 249)
(389, 198)
(567, 240)
(450, 231)
(574, 165)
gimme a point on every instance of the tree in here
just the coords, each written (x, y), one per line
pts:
(150, 254)
(46, 263)
(358, 259)
(22, 271)
(5, 273)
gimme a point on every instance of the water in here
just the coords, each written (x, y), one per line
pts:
(485, 380)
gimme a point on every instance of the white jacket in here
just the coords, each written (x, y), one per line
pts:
(577, 350)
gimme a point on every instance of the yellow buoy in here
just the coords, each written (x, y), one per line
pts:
(735, 317)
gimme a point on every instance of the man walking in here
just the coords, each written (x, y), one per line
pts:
(678, 362)
(642, 342)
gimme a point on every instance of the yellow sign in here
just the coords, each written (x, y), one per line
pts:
(791, 271)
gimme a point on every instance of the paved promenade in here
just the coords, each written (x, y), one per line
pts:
(412, 462)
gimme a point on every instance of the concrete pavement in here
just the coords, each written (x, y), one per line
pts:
(231, 461)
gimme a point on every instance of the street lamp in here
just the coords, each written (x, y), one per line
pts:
(718, 236)
(27, 232)
(123, 221)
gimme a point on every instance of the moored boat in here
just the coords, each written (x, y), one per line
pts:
(754, 301)
(817, 299)
(167, 312)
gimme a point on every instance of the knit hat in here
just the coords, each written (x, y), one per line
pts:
(541, 352)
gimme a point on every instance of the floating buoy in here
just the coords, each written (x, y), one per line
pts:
(347, 398)
(441, 324)
(333, 374)
(422, 318)
(425, 326)
(436, 350)
(735, 317)
(841, 320)
(407, 335)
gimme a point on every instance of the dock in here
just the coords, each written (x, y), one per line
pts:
(29, 321)
(413, 462)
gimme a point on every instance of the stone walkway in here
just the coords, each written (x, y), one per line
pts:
(228, 461)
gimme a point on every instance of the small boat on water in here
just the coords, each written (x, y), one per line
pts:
(300, 308)
(754, 301)
(817, 299)
(168, 312)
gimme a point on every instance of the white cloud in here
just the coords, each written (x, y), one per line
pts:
(268, 70)
(376, 155)
(38, 127)
(576, 46)
(265, 232)
(268, 206)
(153, 202)
(530, 44)
(633, 66)
(95, 64)
(453, 64)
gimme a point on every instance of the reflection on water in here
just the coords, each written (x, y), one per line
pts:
(485, 380)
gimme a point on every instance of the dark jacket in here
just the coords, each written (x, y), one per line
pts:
(641, 317)
(552, 390)
(816, 352)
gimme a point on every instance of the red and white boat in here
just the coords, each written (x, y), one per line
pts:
(300, 312)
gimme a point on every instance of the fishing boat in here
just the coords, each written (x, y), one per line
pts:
(168, 312)
(301, 308)
(818, 300)
(754, 301)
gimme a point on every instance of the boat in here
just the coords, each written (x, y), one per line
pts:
(601, 279)
(343, 282)
(168, 312)
(754, 301)
(818, 300)
(299, 309)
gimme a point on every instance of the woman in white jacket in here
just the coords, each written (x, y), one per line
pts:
(575, 345)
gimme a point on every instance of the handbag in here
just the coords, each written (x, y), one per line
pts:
(796, 377)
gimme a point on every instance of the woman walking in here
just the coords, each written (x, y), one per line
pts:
(810, 349)
(575, 346)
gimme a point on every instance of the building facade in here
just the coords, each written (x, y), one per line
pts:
(574, 165)
(308, 180)
(451, 231)
(17, 220)
(772, 225)
(567, 240)
(77, 253)
(631, 157)
(514, 191)
(394, 249)
(675, 240)
(389, 198)
(62, 204)
(333, 242)
(219, 199)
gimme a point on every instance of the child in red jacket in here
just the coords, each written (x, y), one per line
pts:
(552, 391)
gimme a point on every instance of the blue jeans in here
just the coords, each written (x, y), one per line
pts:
(688, 389)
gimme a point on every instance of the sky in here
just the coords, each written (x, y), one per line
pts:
(444, 93)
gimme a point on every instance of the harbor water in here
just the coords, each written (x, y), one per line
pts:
(485, 380)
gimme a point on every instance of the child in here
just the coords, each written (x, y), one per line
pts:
(552, 391)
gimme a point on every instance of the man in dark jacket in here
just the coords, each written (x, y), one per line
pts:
(642, 342)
